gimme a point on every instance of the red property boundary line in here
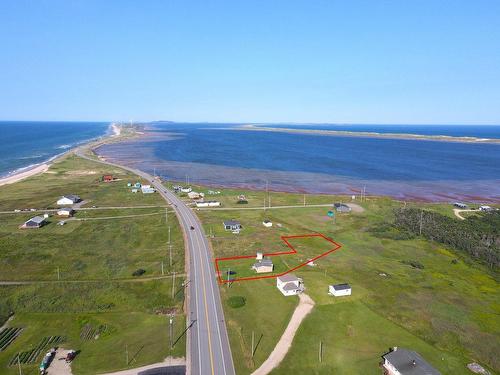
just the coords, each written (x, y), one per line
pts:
(292, 251)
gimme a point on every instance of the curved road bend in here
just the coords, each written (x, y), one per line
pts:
(209, 350)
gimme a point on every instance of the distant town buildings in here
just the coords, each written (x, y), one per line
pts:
(406, 362)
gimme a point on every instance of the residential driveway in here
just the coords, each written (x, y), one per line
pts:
(59, 365)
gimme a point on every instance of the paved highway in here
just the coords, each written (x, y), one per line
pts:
(209, 352)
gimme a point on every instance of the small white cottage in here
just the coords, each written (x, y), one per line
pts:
(339, 290)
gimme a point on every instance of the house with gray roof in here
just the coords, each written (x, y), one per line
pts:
(68, 199)
(401, 361)
(263, 266)
(232, 225)
(34, 222)
(289, 284)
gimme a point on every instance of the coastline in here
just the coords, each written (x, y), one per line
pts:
(346, 133)
(114, 131)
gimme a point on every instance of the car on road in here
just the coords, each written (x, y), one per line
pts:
(191, 227)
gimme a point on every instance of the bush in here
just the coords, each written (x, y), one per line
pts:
(414, 264)
(236, 302)
(139, 272)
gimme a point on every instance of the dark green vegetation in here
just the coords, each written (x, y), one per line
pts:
(236, 301)
(479, 236)
(407, 291)
(8, 335)
(79, 276)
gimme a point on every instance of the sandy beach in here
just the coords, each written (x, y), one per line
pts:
(41, 168)
(24, 174)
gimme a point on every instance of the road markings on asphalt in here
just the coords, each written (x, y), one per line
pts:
(206, 309)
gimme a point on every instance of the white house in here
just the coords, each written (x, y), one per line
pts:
(195, 195)
(34, 222)
(339, 290)
(233, 225)
(289, 284)
(406, 362)
(208, 204)
(186, 189)
(485, 208)
(147, 189)
(267, 223)
(66, 212)
(68, 199)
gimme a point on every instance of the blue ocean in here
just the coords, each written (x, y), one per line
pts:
(27, 143)
(223, 155)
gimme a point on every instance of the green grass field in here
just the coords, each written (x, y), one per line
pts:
(81, 272)
(448, 311)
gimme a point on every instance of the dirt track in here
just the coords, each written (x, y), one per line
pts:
(279, 352)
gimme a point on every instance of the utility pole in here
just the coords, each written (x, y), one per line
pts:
(228, 273)
(173, 286)
(169, 234)
(19, 364)
(320, 354)
(304, 200)
(170, 252)
(166, 215)
(126, 353)
(171, 332)
(253, 338)
(162, 273)
(421, 217)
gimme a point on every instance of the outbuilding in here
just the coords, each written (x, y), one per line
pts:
(34, 222)
(66, 212)
(267, 223)
(289, 284)
(406, 362)
(207, 204)
(339, 290)
(68, 199)
(460, 205)
(485, 208)
(263, 266)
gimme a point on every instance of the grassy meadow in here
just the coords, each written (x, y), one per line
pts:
(80, 274)
(448, 310)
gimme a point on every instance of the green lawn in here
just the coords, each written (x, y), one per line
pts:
(94, 258)
(449, 309)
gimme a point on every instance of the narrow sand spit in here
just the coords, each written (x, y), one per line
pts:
(167, 362)
(25, 174)
(279, 352)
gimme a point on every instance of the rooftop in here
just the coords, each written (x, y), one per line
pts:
(288, 278)
(408, 362)
(341, 286)
(231, 222)
(264, 263)
(37, 219)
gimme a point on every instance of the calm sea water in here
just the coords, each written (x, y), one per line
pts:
(219, 154)
(24, 144)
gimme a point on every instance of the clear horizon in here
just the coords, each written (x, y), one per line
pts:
(326, 62)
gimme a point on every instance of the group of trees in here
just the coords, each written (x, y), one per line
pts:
(479, 236)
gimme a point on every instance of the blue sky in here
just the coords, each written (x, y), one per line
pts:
(251, 61)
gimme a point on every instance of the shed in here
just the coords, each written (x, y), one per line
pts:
(267, 223)
(66, 212)
(339, 290)
(460, 205)
(263, 266)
